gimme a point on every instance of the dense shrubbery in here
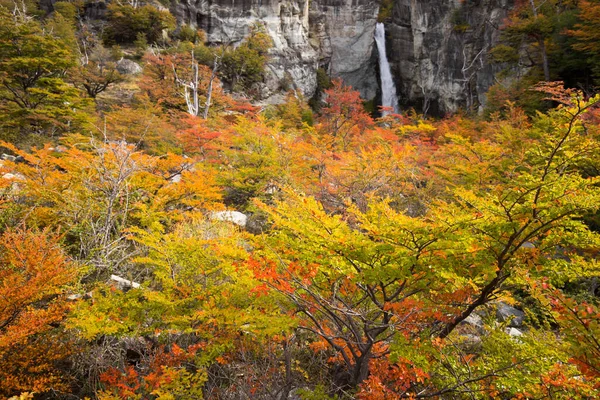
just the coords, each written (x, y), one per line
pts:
(244, 65)
(125, 23)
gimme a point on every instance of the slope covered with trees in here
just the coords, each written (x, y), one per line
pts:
(162, 237)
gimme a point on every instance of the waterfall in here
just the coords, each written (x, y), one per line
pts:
(389, 98)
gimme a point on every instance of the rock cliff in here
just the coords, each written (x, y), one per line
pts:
(344, 33)
(333, 34)
(438, 48)
(440, 51)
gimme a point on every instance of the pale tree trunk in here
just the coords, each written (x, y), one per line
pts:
(210, 88)
(192, 88)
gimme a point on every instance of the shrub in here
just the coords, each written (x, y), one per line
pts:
(126, 22)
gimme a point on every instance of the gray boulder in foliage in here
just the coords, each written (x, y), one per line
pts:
(128, 67)
(235, 217)
(505, 312)
(473, 320)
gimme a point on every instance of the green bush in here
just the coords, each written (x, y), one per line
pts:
(68, 10)
(126, 22)
(386, 8)
(244, 65)
(188, 34)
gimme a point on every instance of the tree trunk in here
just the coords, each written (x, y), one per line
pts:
(210, 88)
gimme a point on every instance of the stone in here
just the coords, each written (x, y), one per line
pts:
(474, 320)
(128, 67)
(471, 340)
(123, 283)
(440, 51)
(514, 332)
(505, 312)
(236, 217)
(257, 224)
(334, 34)
(94, 10)
(13, 177)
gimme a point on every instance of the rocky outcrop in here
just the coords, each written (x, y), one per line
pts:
(439, 51)
(293, 60)
(335, 34)
(344, 32)
(438, 48)
(504, 313)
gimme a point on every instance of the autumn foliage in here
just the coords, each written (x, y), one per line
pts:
(34, 275)
(166, 236)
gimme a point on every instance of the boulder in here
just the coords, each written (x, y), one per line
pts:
(514, 332)
(128, 67)
(505, 312)
(236, 217)
(13, 177)
(124, 284)
(474, 320)
(439, 51)
(257, 223)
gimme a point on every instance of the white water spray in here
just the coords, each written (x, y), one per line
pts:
(389, 98)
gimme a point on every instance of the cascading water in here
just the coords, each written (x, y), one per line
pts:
(389, 98)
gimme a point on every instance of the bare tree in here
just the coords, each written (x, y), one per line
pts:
(192, 87)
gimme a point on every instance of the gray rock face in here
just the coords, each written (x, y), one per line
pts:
(505, 312)
(344, 33)
(337, 34)
(474, 320)
(438, 48)
(287, 22)
(440, 51)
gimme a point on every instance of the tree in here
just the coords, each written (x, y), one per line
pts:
(34, 97)
(97, 73)
(528, 25)
(125, 22)
(381, 286)
(34, 273)
(586, 31)
(192, 87)
(200, 306)
(249, 162)
(98, 190)
(143, 124)
(344, 119)
(244, 65)
(175, 80)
